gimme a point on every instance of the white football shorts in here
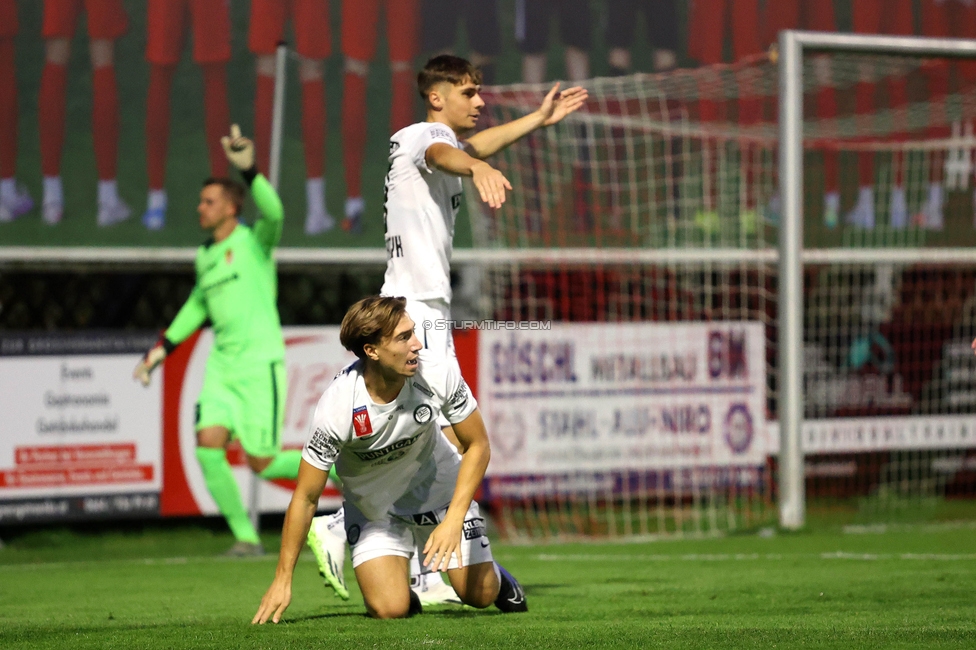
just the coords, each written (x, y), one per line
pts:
(404, 535)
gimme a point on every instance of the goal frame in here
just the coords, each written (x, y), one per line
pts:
(793, 45)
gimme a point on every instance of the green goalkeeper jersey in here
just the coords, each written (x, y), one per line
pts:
(237, 289)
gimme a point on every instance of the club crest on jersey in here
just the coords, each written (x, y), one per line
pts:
(360, 421)
(422, 414)
(229, 256)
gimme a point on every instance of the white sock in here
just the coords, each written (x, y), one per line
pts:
(108, 192)
(315, 195)
(355, 205)
(8, 188)
(832, 201)
(52, 190)
(157, 200)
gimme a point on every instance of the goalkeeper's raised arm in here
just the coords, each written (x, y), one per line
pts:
(240, 153)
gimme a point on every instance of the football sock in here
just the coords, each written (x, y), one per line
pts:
(283, 465)
(216, 114)
(315, 195)
(313, 126)
(105, 121)
(8, 109)
(51, 111)
(157, 123)
(223, 488)
(404, 99)
(353, 130)
(263, 114)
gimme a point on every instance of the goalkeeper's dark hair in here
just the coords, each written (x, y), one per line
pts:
(370, 321)
(232, 190)
(449, 68)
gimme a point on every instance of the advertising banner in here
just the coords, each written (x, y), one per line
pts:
(78, 437)
(313, 356)
(621, 396)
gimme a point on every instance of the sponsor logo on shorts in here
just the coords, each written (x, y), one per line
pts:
(423, 413)
(360, 421)
(426, 519)
(423, 389)
(376, 454)
(474, 528)
(352, 535)
(323, 446)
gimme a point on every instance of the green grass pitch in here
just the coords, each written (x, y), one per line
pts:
(908, 587)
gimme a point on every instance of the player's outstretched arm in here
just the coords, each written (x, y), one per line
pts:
(445, 539)
(240, 152)
(490, 182)
(304, 501)
(555, 107)
(189, 319)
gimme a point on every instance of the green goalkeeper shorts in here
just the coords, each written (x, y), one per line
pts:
(249, 403)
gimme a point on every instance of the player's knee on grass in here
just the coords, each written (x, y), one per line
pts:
(476, 585)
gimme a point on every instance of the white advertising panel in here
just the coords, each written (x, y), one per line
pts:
(78, 437)
(313, 356)
(622, 396)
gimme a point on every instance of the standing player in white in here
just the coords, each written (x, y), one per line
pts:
(405, 487)
(423, 195)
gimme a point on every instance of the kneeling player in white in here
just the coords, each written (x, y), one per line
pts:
(404, 485)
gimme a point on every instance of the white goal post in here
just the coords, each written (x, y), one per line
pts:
(792, 47)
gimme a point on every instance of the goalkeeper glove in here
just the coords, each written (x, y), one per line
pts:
(239, 150)
(149, 362)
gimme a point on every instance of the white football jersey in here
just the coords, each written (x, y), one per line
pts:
(420, 207)
(392, 458)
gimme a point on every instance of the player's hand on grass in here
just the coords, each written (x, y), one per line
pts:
(491, 184)
(274, 603)
(148, 363)
(239, 150)
(558, 105)
(444, 541)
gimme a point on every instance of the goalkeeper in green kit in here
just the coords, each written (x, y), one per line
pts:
(244, 388)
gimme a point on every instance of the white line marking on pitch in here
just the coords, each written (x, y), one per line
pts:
(740, 557)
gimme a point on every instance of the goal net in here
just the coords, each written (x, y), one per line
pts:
(642, 231)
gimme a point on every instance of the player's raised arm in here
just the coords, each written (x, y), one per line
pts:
(490, 182)
(188, 320)
(555, 107)
(240, 153)
(304, 501)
